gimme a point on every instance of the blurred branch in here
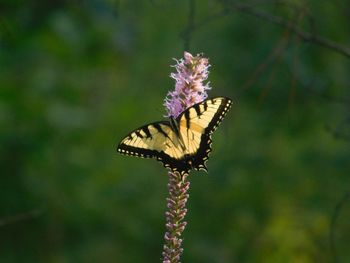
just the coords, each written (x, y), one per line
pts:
(301, 13)
(186, 35)
(203, 22)
(335, 216)
(267, 87)
(20, 217)
(250, 10)
(304, 35)
(290, 26)
(275, 57)
(313, 87)
(274, 54)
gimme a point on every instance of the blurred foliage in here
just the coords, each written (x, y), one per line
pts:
(76, 76)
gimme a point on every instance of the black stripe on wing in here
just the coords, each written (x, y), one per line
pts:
(139, 151)
(221, 110)
(176, 165)
(201, 157)
(220, 113)
(205, 147)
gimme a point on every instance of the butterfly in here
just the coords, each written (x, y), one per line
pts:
(182, 143)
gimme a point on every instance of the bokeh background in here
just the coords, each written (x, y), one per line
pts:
(76, 76)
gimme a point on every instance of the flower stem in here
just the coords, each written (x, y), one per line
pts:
(176, 203)
(191, 73)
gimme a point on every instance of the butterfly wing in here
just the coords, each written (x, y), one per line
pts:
(196, 124)
(155, 140)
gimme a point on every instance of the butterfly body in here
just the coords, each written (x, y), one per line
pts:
(183, 143)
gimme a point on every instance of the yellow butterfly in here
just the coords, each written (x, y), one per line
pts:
(183, 143)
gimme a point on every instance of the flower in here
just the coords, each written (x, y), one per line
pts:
(190, 74)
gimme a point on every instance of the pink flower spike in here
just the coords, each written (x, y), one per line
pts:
(190, 74)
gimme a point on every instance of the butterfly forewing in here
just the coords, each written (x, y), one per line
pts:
(146, 140)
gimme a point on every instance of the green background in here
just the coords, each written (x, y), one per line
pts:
(76, 76)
